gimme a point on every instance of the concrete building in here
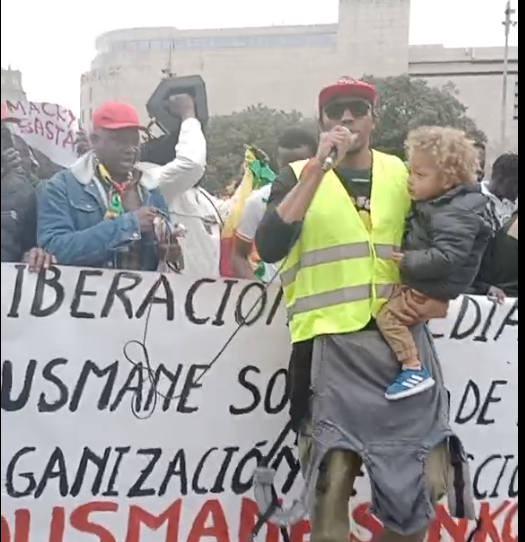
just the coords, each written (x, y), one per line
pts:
(285, 66)
(12, 88)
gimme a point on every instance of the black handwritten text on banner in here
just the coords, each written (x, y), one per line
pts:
(77, 464)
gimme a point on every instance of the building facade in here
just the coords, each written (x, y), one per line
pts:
(285, 66)
(12, 88)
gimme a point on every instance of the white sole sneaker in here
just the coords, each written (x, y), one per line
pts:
(416, 390)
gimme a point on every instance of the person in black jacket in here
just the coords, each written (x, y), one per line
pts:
(18, 206)
(502, 189)
(447, 234)
(498, 274)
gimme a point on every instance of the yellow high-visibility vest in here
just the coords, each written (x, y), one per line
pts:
(339, 274)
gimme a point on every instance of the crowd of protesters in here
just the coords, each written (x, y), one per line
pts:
(110, 210)
(366, 248)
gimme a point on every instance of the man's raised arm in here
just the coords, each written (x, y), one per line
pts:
(187, 168)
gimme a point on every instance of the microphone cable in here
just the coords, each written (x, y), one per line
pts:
(144, 360)
(145, 367)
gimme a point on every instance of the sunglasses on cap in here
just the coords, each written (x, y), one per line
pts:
(357, 108)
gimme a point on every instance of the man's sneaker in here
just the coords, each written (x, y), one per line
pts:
(409, 382)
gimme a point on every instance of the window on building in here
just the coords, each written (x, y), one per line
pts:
(230, 42)
(156, 45)
(515, 116)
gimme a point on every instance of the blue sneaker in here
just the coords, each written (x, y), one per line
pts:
(409, 382)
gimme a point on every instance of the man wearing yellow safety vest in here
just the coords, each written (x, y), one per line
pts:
(334, 231)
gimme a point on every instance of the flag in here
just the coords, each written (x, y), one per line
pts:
(257, 173)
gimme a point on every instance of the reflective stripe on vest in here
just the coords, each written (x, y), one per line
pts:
(337, 297)
(334, 254)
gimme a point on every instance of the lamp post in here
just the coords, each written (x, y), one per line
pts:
(508, 23)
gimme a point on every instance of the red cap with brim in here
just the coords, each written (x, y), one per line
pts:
(116, 116)
(6, 115)
(348, 87)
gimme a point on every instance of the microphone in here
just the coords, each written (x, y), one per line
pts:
(331, 159)
(329, 163)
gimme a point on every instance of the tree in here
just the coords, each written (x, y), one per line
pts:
(406, 103)
(227, 134)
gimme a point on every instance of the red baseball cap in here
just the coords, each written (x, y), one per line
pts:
(346, 86)
(116, 116)
(6, 115)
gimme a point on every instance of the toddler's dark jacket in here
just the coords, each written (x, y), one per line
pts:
(445, 242)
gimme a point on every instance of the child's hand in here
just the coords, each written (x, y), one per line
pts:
(496, 295)
(397, 257)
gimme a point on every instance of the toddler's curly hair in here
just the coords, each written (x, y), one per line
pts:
(451, 150)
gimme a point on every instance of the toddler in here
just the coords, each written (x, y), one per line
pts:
(447, 233)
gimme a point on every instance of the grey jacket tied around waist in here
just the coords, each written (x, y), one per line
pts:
(393, 441)
(445, 242)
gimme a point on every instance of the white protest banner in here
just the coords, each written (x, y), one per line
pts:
(478, 347)
(49, 128)
(90, 453)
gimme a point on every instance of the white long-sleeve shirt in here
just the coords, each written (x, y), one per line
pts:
(203, 216)
(198, 211)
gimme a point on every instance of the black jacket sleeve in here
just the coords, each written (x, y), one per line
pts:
(499, 266)
(274, 237)
(28, 237)
(19, 207)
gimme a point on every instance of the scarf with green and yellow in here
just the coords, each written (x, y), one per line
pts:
(115, 190)
(130, 258)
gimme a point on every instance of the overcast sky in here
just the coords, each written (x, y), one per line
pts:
(52, 41)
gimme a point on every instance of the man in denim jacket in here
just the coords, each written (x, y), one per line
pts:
(103, 210)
